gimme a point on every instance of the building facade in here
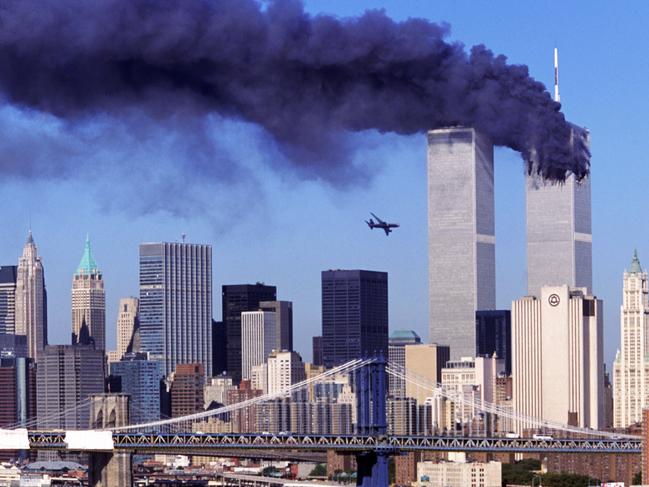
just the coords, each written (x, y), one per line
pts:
(397, 355)
(559, 233)
(354, 315)
(31, 299)
(461, 235)
(187, 390)
(258, 339)
(237, 298)
(557, 357)
(631, 365)
(175, 310)
(127, 321)
(426, 361)
(493, 335)
(284, 315)
(8, 276)
(65, 376)
(140, 379)
(285, 368)
(89, 301)
(460, 474)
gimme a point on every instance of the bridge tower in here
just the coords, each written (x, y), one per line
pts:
(371, 394)
(109, 469)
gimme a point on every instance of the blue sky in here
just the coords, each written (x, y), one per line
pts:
(283, 230)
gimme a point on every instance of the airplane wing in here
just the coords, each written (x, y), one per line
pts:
(387, 230)
(377, 218)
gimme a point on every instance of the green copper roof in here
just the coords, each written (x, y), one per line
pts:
(87, 264)
(635, 264)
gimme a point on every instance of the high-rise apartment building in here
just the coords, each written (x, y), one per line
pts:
(31, 299)
(88, 301)
(493, 335)
(67, 375)
(187, 390)
(175, 311)
(237, 298)
(127, 321)
(354, 315)
(461, 235)
(285, 368)
(140, 379)
(631, 365)
(426, 360)
(557, 357)
(258, 339)
(8, 275)
(559, 234)
(397, 355)
(284, 316)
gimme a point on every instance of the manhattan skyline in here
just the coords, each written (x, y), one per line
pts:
(328, 232)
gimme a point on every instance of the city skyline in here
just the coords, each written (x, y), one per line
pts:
(402, 162)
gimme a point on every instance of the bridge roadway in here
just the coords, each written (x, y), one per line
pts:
(241, 443)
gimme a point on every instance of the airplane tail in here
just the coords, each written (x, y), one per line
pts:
(370, 223)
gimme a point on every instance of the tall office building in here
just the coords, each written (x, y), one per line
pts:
(67, 375)
(176, 303)
(631, 365)
(88, 301)
(316, 345)
(284, 313)
(219, 364)
(31, 299)
(18, 385)
(140, 379)
(397, 355)
(461, 238)
(8, 274)
(258, 339)
(187, 390)
(127, 322)
(493, 335)
(354, 315)
(426, 360)
(237, 298)
(557, 357)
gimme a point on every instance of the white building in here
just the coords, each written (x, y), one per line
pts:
(216, 390)
(631, 366)
(452, 474)
(258, 339)
(31, 307)
(284, 369)
(557, 357)
(126, 318)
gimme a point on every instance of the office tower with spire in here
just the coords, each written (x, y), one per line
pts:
(127, 326)
(175, 311)
(8, 275)
(631, 365)
(461, 235)
(559, 233)
(31, 299)
(88, 302)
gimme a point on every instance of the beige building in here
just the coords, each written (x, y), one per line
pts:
(88, 302)
(126, 319)
(460, 474)
(284, 369)
(216, 390)
(557, 357)
(426, 361)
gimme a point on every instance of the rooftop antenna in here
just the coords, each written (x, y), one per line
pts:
(557, 98)
(183, 236)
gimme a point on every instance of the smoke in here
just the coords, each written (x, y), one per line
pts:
(306, 81)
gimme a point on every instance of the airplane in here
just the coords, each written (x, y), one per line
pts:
(387, 227)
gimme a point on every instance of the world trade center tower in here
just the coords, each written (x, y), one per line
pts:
(461, 235)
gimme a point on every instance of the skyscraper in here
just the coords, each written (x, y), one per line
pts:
(219, 364)
(354, 315)
(284, 314)
(89, 301)
(461, 238)
(176, 303)
(258, 339)
(237, 298)
(494, 335)
(187, 390)
(397, 355)
(8, 298)
(140, 379)
(31, 299)
(631, 365)
(426, 360)
(557, 357)
(127, 320)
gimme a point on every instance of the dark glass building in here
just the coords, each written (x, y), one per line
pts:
(317, 350)
(219, 340)
(237, 298)
(493, 334)
(354, 315)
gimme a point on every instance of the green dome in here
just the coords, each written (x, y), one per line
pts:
(87, 264)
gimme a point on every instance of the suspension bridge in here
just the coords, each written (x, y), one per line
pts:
(344, 409)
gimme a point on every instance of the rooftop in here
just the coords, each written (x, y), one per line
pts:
(87, 264)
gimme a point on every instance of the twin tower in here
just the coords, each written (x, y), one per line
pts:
(462, 240)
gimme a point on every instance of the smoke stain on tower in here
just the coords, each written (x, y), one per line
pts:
(306, 80)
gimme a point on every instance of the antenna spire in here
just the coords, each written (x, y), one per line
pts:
(557, 98)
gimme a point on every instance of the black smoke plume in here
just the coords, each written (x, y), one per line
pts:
(306, 80)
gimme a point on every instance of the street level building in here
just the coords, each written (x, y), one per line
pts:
(461, 238)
